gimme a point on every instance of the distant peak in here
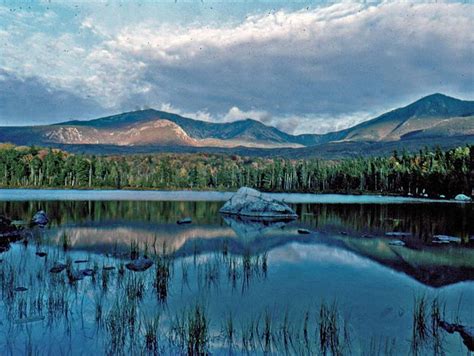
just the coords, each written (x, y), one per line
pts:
(437, 97)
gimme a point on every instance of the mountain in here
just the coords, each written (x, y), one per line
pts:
(435, 115)
(435, 119)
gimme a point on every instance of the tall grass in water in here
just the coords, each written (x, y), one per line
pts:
(162, 277)
(229, 331)
(334, 338)
(437, 314)
(65, 241)
(198, 331)
(420, 330)
(151, 334)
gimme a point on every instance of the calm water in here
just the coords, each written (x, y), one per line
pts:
(263, 276)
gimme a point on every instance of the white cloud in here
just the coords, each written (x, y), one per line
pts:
(316, 69)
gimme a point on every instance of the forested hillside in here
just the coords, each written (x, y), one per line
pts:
(427, 172)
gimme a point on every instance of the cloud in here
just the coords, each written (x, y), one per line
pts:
(31, 101)
(315, 69)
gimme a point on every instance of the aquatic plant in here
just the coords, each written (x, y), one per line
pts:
(197, 331)
(151, 334)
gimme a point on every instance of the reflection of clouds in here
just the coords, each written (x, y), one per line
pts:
(295, 253)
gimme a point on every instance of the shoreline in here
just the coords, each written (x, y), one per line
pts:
(51, 194)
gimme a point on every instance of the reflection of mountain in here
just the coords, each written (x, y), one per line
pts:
(101, 225)
(432, 266)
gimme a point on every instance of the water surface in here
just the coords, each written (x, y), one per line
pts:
(251, 270)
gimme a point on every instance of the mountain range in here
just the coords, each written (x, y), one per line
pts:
(433, 120)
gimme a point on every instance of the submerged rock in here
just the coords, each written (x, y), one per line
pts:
(41, 254)
(40, 218)
(108, 268)
(446, 239)
(250, 202)
(396, 243)
(304, 231)
(462, 197)
(466, 332)
(58, 268)
(184, 221)
(139, 265)
(20, 289)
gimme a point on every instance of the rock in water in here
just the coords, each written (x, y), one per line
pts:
(304, 231)
(40, 218)
(462, 197)
(396, 243)
(139, 265)
(58, 267)
(446, 239)
(398, 234)
(250, 202)
(184, 221)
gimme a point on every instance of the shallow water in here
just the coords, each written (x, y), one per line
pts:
(258, 272)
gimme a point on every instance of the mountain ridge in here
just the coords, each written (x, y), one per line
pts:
(435, 117)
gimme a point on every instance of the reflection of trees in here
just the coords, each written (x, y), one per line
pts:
(63, 212)
(422, 220)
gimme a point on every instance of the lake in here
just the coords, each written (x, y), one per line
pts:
(228, 285)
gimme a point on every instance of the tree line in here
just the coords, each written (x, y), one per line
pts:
(431, 172)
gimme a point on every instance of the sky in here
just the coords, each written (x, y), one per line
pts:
(301, 67)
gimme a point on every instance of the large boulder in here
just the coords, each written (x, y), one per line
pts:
(462, 197)
(250, 202)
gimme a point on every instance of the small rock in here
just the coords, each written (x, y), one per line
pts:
(462, 197)
(81, 261)
(396, 243)
(397, 234)
(184, 221)
(20, 289)
(41, 254)
(446, 238)
(139, 265)
(343, 233)
(304, 231)
(40, 218)
(109, 268)
(57, 268)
